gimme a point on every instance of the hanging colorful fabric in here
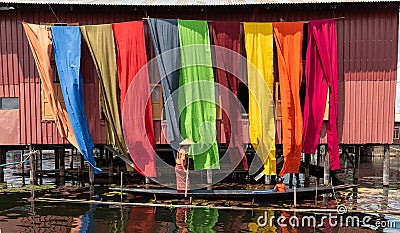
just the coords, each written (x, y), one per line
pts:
(227, 35)
(289, 39)
(164, 33)
(321, 73)
(197, 94)
(259, 50)
(132, 65)
(67, 53)
(39, 39)
(100, 41)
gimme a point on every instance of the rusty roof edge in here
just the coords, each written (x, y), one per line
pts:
(187, 2)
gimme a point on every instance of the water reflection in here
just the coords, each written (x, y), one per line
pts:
(18, 215)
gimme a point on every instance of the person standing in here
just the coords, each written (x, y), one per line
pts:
(181, 167)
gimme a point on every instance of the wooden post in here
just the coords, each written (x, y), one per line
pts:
(326, 167)
(57, 159)
(41, 159)
(101, 159)
(291, 180)
(386, 166)
(71, 163)
(267, 179)
(3, 153)
(356, 165)
(209, 179)
(23, 167)
(61, 153)
(110, 162)
(318, 159)
(122, 181)
(307, 170)
(82, 159)
(91, 175)
(32, 171)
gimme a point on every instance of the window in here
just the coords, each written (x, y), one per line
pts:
(9, 103)
(46, 110)
(396, 133)
(157, 102)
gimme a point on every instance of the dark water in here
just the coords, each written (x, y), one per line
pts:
(19, 215)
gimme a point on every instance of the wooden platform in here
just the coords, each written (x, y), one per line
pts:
(239, 194)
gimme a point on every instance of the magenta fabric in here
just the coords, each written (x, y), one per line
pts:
(321, 74)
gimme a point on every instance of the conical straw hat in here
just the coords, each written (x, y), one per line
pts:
(186, 142)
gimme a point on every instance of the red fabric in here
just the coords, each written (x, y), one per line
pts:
(227, 35)
(321, 74)
(141, 220)
(137, 118)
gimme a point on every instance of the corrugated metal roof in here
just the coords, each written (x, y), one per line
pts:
(183, 2)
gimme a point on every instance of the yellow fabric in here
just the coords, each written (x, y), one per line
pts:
(259, 50)
(39, 38)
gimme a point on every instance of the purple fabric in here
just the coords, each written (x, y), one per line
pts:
(321, 73)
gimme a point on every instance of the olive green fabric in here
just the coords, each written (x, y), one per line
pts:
(196, 94)
(100, 40)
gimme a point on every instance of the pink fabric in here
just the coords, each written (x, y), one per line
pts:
(321, 73)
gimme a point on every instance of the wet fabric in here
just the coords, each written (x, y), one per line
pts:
(321, 74)
(227, 35)
(259, 50)
(288, 40)
(100, 41)
(67, 53)
(197, 94)
(142, 219)
(39, 39)
(202, 220)
(132, 65)
(165, 37)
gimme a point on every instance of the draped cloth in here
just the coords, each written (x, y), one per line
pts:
(137, 120)
(100, 41)
(227, 35)
(196, 93)
(288, 39)
(39, 39)
(67, 53)
(165, 37)
(259, 50)
(321, 74)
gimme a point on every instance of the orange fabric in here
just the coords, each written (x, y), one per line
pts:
(289, 38)
(280, 188)
(39, 38)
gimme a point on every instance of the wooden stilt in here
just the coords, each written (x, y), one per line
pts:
(3, 153)
(32, 172)
(307, 170)
(326, 167)
(57, 159)
(71, 162)
(291, 180)
(61, 153)
(386, 166)
(110, 162)
(356, 165)
(209, 179)
(23, 167)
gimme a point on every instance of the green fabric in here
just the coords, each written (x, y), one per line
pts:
(100, 40)
(202, 220)
(196, 94)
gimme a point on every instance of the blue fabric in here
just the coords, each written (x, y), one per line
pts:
(67, 53)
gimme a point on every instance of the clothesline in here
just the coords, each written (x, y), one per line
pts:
(146, 18)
